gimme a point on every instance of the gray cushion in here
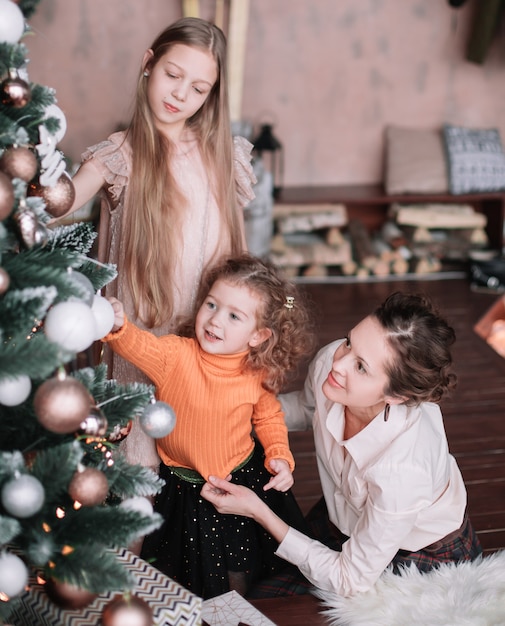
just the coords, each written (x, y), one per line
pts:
(475, 159)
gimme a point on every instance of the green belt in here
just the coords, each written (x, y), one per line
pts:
(192, 476)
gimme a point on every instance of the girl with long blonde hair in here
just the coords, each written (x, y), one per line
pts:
(173, 187)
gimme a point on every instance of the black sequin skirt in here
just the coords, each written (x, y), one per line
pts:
(199, 547)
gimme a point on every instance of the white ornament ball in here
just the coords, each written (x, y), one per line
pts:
(54, 111)
(157, 420)
(104, 316)
(12, 22)
(71, 325)
(23, 496)
(14, 391)
(13, 574)
(85, 284)
(138, 503)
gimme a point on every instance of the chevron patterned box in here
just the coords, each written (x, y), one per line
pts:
(171, 604)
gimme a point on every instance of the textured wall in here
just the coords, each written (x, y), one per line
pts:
(330, 75)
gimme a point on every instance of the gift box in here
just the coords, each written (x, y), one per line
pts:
(231, 609)
(170, 602)
(491, 326)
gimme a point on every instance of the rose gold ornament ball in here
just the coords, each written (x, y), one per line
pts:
(68, 596)
(6, 196)
(5, 281)
(15, 92)
(61, 404)
(89, 486)
(19, 162)
(122, 610)
(58, 198)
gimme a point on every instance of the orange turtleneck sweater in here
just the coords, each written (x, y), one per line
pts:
(215, 401)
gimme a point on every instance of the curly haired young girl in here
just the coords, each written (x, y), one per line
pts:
(251, 330)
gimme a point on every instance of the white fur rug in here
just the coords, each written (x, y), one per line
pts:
(467, 594)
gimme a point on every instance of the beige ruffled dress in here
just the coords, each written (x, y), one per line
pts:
(201, 242)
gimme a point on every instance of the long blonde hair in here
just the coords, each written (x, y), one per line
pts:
(155, 203)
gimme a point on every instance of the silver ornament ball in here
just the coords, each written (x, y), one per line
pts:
(13, 574)
(157, 420)
(23, 496)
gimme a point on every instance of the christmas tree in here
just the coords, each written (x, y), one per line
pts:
(67, 498)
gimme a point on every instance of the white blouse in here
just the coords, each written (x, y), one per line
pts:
(396, 488)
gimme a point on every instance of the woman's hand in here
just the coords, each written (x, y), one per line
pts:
(283, 479)
(230, 498)
(239, 500)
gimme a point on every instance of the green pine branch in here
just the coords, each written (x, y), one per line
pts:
(78, 237)
(33, 303)
(95, 570)
(99, 274)
(28, 7)
(126, 481)
(12, 56)
(36, 357)
(105, 526)
(55, 467)
(9, 528)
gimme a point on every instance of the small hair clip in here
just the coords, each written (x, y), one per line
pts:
(290, 302)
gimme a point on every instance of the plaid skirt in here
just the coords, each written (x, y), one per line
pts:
(199, 547)
(460, 545)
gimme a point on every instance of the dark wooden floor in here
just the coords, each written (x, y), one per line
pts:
(474, 415)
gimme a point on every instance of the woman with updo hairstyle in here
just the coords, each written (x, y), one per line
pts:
(393, 495)
(421, 341)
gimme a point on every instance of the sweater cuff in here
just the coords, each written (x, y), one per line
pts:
(116, 334)
(282, 455)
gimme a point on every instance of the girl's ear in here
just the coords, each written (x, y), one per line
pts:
(259, 337)
(146, 61)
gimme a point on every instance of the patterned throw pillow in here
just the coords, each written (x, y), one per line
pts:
(475, 159)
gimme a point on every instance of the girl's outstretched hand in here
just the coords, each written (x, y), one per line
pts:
(118, 313)
(283, 479)
(230, 498)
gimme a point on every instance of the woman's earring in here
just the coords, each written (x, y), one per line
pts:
(146, 73)
(386, 412)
